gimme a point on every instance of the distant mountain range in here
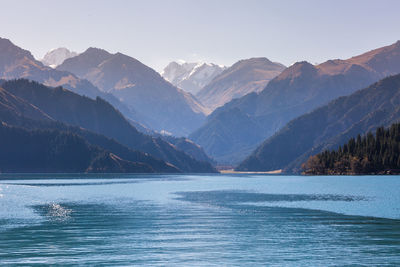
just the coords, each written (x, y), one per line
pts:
(158, 103)
(55, 57)
(191, 77)
(25, 117)
(328, 127)
(124, 116)
(297, 90)
(34, 106)
(244, 77)
(16, 63)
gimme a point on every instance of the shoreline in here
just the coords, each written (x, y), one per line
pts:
(232, 171)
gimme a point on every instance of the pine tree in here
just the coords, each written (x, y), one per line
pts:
(361, 155)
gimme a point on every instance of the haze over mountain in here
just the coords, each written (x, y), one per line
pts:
(17, 112)
(55, 57)
(297, 90)
(243, 77)
(159, 104)
(191, 77)
(16, 63)
(328, 127)
(100, 117)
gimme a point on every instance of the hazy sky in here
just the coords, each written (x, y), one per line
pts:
(157, 32)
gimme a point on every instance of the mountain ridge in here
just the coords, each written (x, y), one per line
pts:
(56, 151)
(16, 63)
(243, 77)
(328, 127)
(297, 90)
(160, 105)
(100, 117)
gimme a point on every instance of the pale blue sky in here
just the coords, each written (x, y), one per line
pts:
(220, 31)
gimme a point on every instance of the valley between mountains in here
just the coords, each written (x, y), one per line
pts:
(97, 111)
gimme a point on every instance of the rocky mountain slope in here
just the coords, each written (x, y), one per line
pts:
(161, 106)
(328, 127)
(297, 90)
(244, 77)
(100, 117)
(16, 63)
(17, 112)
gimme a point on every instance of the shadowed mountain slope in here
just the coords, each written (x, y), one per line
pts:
(56, 151)
(328, 127)
(100, 117)
(15, 111)
(160, 105)
(297, 90)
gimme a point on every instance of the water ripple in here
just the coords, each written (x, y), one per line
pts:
(229, 196)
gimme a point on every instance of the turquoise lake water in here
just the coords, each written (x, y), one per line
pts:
(199, 220)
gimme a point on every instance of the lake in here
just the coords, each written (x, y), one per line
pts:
(195, 220)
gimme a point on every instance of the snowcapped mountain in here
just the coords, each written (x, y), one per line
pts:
(161, 105)
(191, 77)
(55, 57)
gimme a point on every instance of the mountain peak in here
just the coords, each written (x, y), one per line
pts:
(123, 57)
(374, 61)
(191, 77)
(10, 52)
(302, 64)
(243, 77)
(94, 51)
(5, 41)
(55, 57)
(255, 60)
(128, 66)
(141, 88)
(91, 58)
(296, 70)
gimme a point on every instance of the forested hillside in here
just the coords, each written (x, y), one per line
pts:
(328, 127)
(370, 154)
(57, 151)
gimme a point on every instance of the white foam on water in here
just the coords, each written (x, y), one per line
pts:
(58, 212)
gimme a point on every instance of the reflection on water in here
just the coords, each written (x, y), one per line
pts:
(180, 222)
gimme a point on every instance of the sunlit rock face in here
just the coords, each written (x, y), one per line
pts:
(243, 77)
(298, 90)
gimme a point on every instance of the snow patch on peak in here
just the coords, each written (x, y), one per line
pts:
(191, 77)
(56, 56)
